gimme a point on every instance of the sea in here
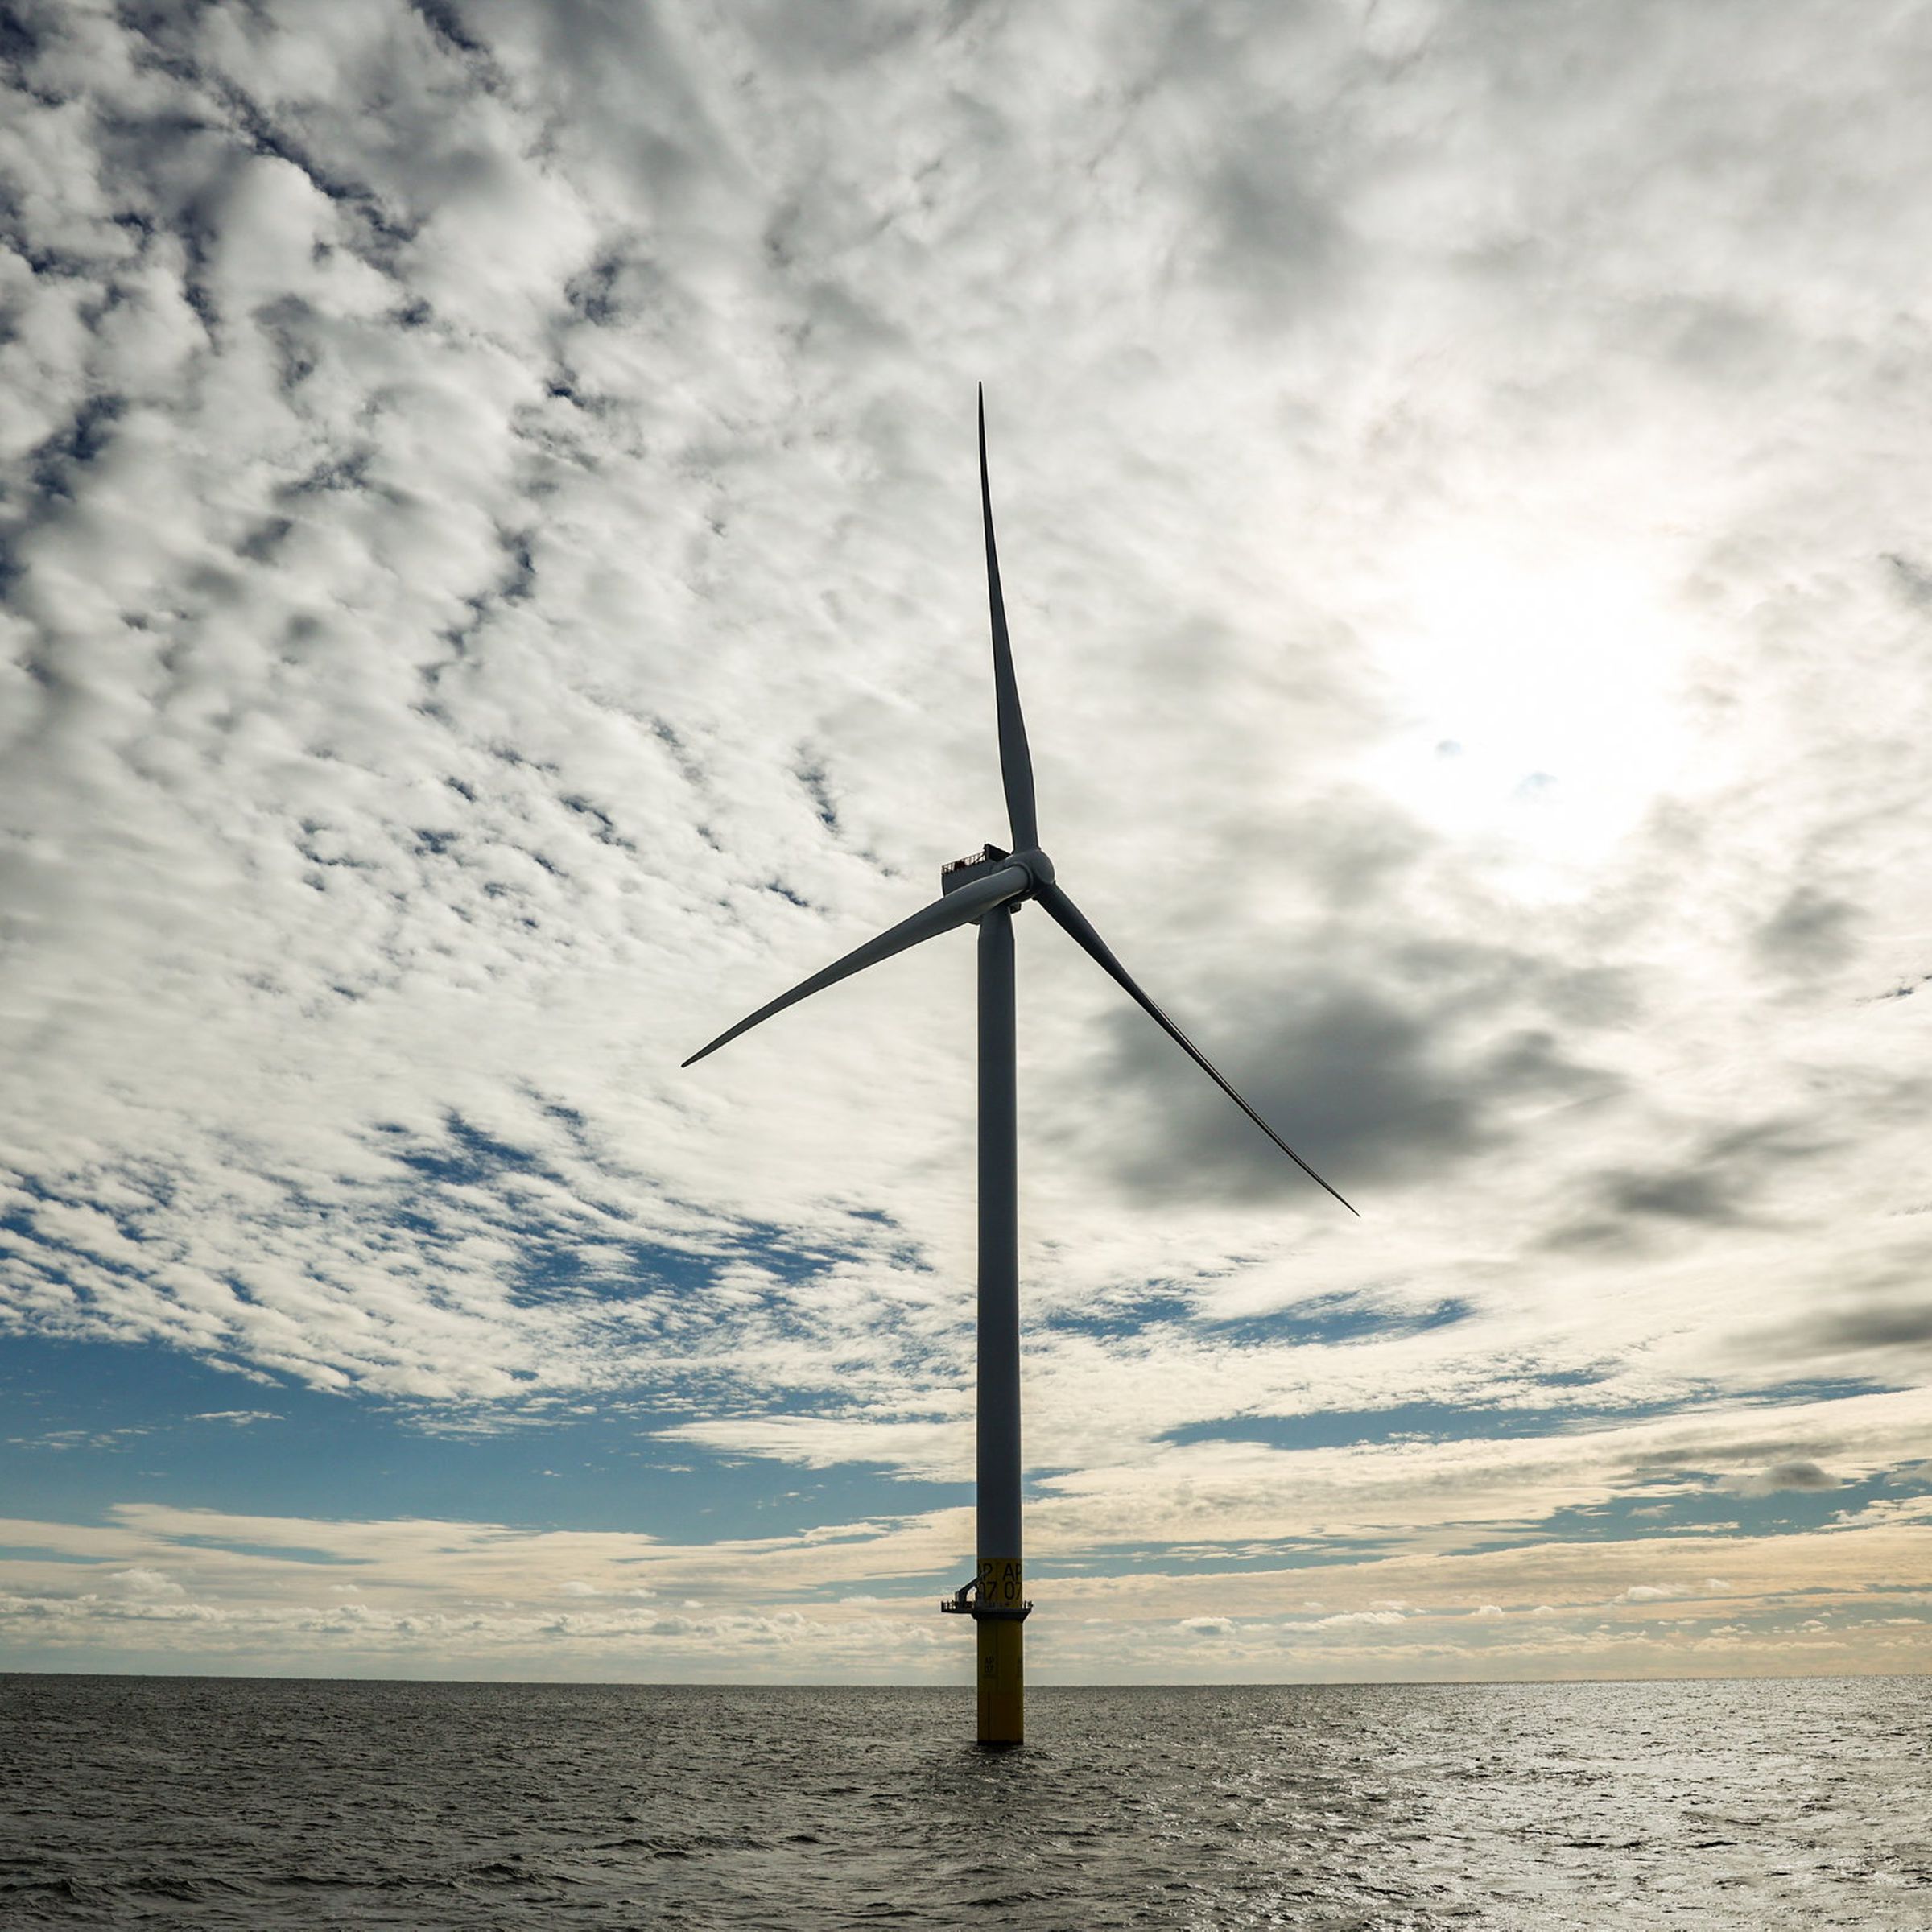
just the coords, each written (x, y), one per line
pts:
(182, 1802)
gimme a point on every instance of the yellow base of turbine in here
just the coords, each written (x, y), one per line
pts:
(1002, 1646)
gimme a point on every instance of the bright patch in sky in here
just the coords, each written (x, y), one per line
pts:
(1539, 693)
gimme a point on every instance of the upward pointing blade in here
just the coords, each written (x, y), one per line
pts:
(1016, 765)
(958, 908)
(1069, 916)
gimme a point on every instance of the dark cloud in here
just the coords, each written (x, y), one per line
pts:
(1801, 1474)
(1691, 1195)
(1719, 1181)
(1873, 1326)
(1722, 1454)
(1380, 1076)
(1276, 236)
(1912, 579)
(1898, 1328)
(1812, 931)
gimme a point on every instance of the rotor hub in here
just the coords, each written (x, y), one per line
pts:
(1039, 868)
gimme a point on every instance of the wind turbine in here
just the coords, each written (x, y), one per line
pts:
(984, 889)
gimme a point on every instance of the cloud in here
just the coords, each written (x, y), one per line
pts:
(490, 594)
(1798, 1475)
(396, 376)
(1380, 1083)
(249, 1592)
(146, 1584)
(1877, 1325)
(1717, 1179)
(1808, 933)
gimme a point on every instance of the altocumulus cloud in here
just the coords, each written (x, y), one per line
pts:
(490, 594)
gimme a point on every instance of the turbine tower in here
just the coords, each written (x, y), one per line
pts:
(984, 889)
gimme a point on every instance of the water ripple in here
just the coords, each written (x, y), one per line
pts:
(173, 1802)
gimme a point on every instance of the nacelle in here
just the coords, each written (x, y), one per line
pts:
(975, 864)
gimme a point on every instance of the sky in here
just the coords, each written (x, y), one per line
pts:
(493, 593)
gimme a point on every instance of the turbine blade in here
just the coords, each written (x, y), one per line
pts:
(957, 908)
(1015, 764)
(1074, 921)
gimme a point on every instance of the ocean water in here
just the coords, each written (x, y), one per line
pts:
(163, 1802)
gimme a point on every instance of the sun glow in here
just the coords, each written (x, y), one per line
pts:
(1534, 698)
